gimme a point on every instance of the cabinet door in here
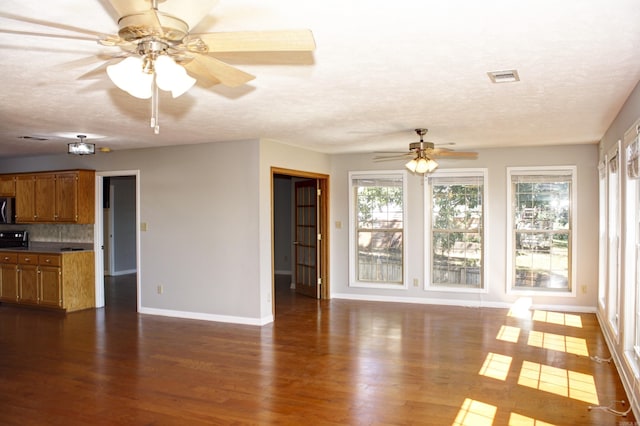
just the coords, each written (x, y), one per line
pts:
(9, 282)
(51, 286)
(45, 197)
(67, 197)
(28, 284)
(7, 186)
(25, 198)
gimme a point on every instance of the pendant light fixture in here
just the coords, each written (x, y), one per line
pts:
(81, 147)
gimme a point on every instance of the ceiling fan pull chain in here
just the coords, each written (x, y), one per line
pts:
(154, 123)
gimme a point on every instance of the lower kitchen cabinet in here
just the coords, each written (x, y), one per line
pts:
(63, 281)
(9, 277)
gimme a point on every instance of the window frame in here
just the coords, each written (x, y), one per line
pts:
(378, 174)
(483, 174)
(570, 171)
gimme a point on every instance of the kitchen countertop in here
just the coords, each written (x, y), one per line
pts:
(48, 247)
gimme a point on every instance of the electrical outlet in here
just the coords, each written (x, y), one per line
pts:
(584, 289)
(160, 289)
(416, 282)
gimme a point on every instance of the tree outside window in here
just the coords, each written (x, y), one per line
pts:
(541, 214)
(378, 228)
(456, 229)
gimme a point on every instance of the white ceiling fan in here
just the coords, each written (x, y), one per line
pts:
(159, 52)
(423, 155)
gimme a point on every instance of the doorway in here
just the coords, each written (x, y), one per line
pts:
(300, 237)
(117, 235)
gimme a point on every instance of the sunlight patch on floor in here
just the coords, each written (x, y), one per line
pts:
(520, 420)
(559, 381)
(558, 318)
(509, 334)
(558, 342)
(475, 413)
(496, 366)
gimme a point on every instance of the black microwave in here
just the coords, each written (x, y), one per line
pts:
(7, 210)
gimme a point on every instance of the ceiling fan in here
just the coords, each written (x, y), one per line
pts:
(158, 50)
(423, 155)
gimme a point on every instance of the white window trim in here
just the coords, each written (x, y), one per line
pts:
(614, 305)
(631, 308)
(468, 172)
(353, 281)
(537, 171)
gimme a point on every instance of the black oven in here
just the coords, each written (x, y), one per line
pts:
(14, 239)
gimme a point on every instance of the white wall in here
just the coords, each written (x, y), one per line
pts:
(201, 210)
(496, 161)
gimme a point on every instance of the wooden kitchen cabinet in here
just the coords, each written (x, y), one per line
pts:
(63, 281)
(25, 198)
(56, 197)
(7, 186)
(50, 280)
(8, 277)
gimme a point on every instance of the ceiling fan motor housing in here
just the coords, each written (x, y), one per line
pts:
(421, 146)
(136, 27)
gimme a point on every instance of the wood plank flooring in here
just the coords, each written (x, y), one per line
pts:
(321, 363)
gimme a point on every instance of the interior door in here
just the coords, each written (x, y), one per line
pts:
(307, 238)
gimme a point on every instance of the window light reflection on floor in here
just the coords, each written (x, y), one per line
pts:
(520, 420)
(559, 381)
(508, 334)
(558, 342)
(558, 318)
(475, 413)
(496, 366)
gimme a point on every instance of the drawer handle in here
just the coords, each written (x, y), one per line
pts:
(48, 260)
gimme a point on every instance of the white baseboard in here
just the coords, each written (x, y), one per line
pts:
(457, 302)
(207, 317)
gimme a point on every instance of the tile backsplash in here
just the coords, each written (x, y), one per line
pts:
(54, 233)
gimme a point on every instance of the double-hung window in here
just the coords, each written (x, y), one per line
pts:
(455, 218)
(377, 210)
(541, 229)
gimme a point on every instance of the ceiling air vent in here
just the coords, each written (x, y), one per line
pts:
(507, 76)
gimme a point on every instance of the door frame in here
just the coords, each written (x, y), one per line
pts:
(323, 212)
(98, 237)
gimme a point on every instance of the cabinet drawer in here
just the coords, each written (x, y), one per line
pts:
(49, 259)
(8, 257)
(28, 259)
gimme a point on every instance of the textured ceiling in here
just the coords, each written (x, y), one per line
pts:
(380, 70)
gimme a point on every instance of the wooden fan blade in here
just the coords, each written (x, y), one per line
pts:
(48, 35)
(225, 73)
(455, 154)
(393, 157)
(257, 41)
(65, 27)
(201, 73)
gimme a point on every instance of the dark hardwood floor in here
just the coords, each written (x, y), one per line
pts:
(320, 363)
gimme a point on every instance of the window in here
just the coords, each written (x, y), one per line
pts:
(377, 222)
(602, 234)
(632, 248)
(613, 237)
(454, 206)
(540, 220)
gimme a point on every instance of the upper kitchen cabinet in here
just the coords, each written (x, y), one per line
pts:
(56, 197)
(7, 186)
